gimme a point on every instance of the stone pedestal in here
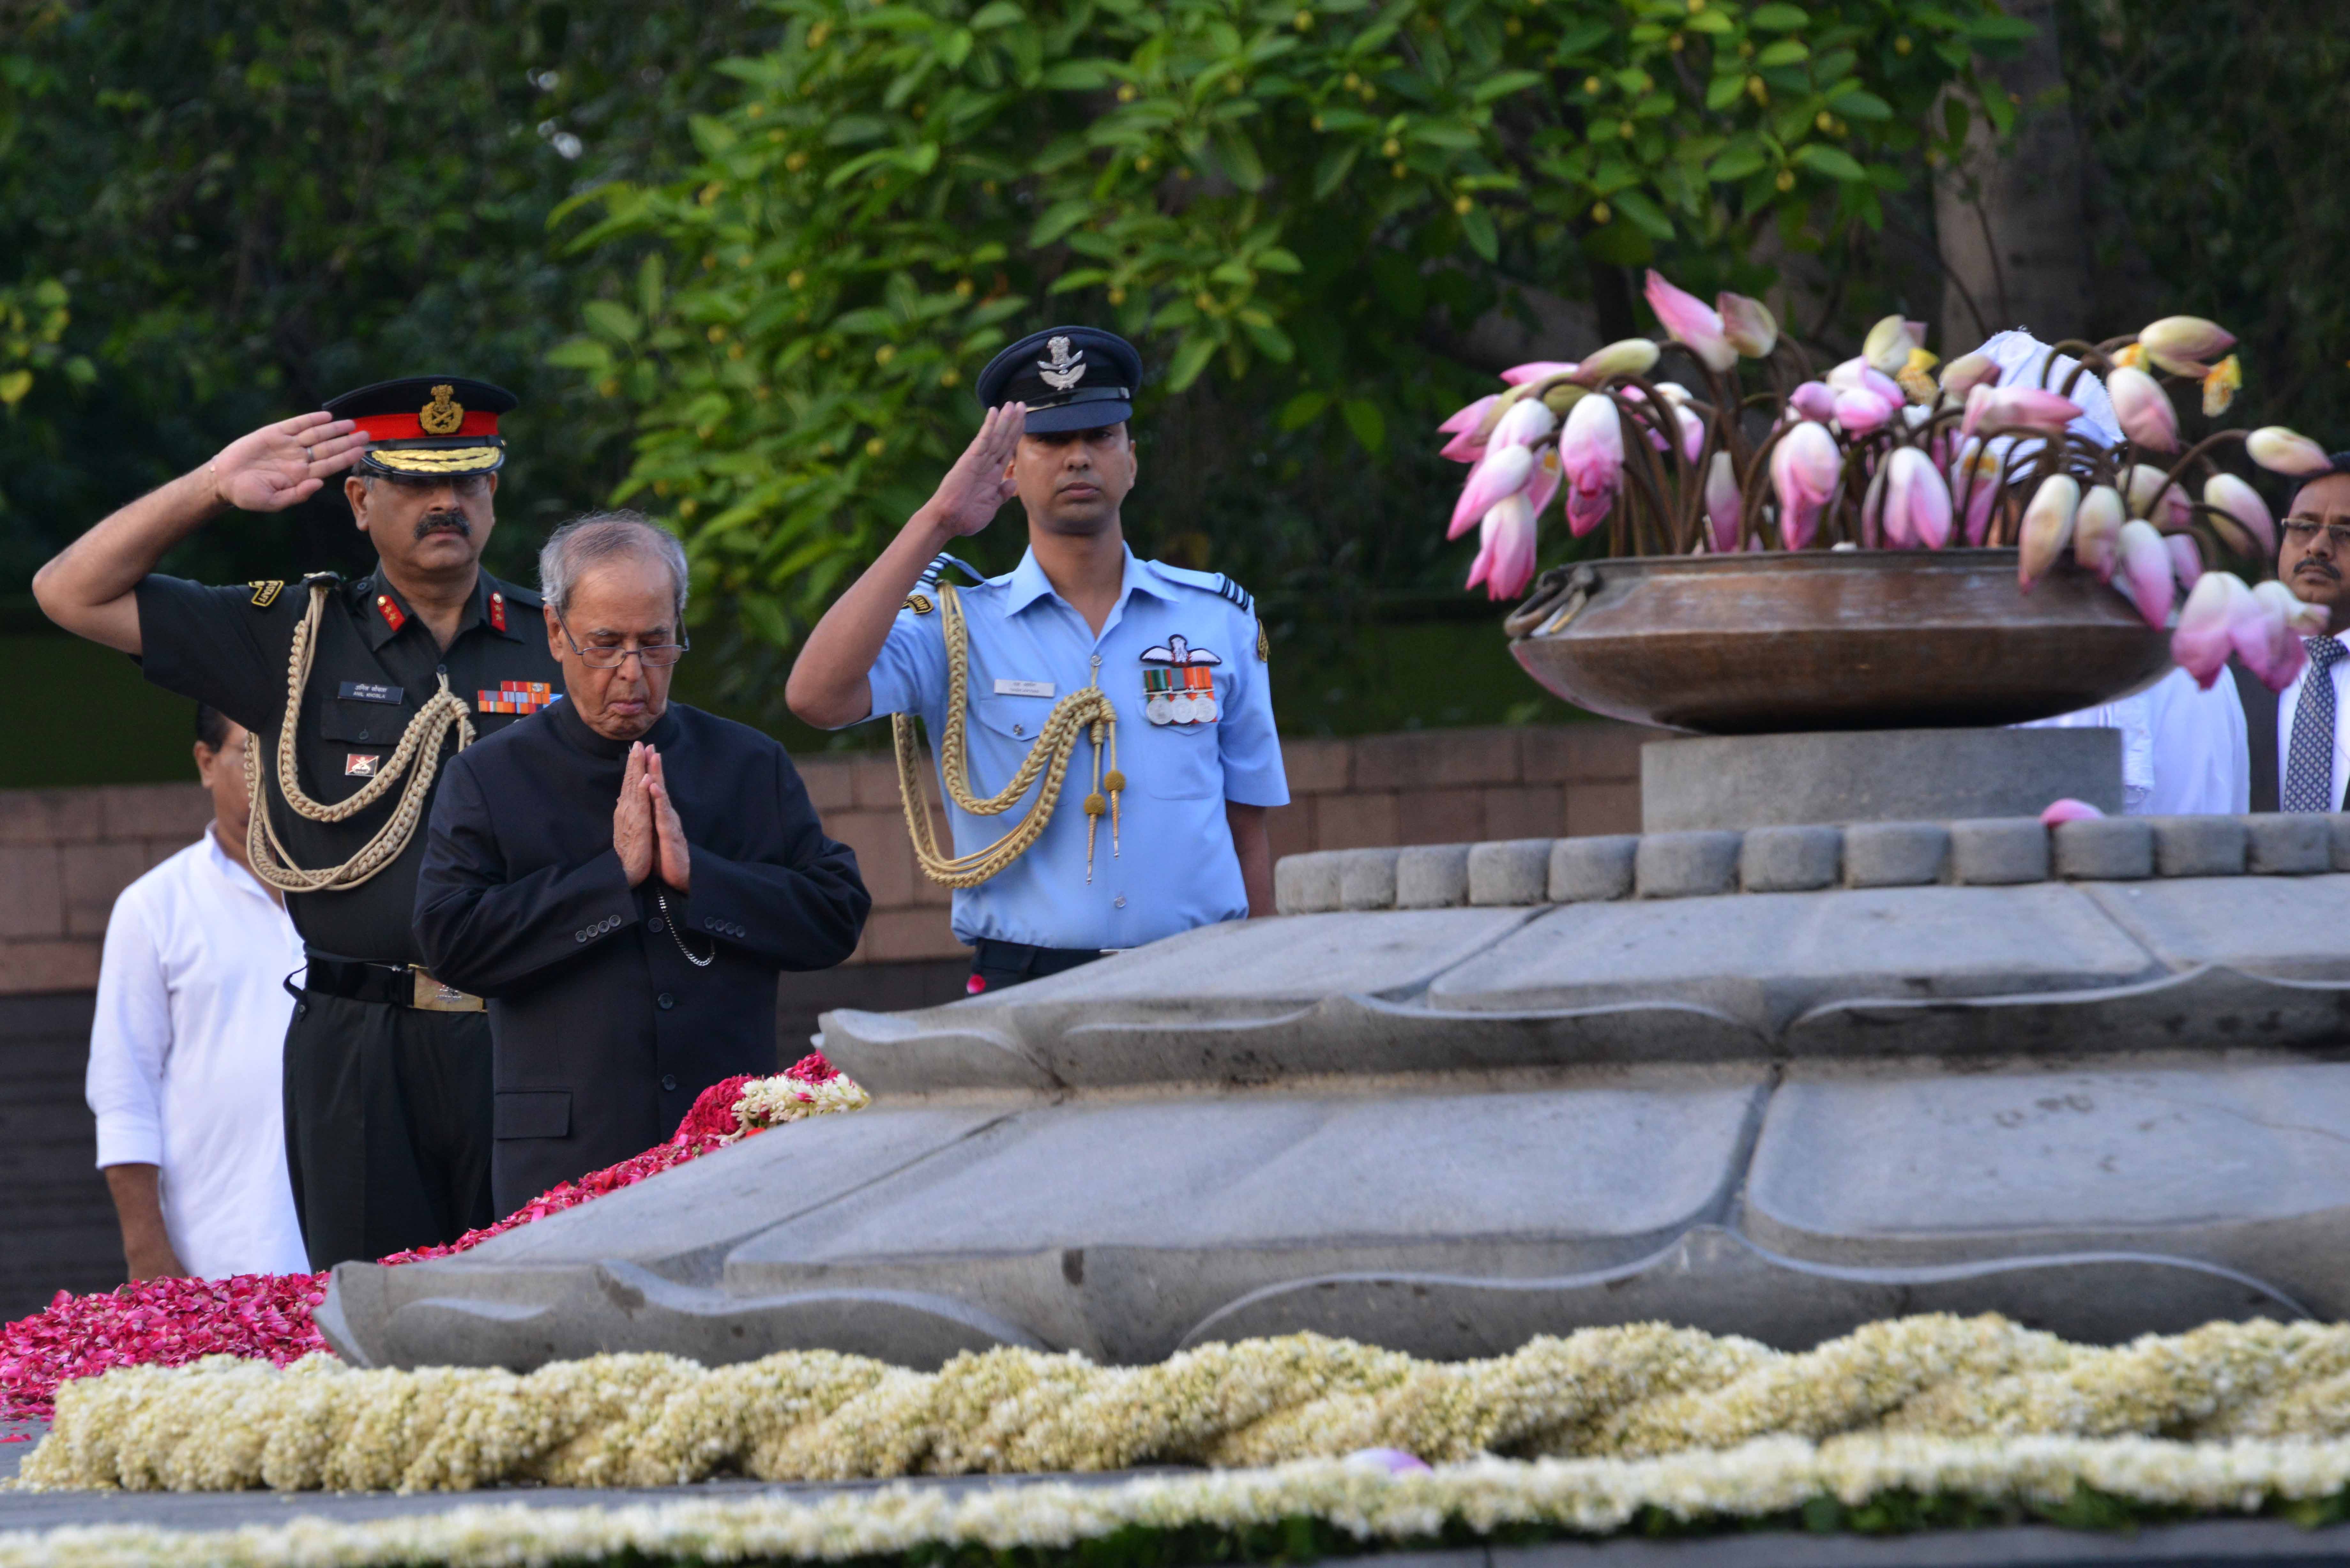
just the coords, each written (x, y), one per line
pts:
(1713, 782)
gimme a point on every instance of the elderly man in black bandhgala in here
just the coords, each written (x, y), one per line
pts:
(623, 877)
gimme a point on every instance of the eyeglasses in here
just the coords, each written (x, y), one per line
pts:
(2305, 533)
(652, 655)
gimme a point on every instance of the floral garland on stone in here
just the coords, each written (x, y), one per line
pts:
(266, 1317)
(1352, 1507)
(1620, 1393)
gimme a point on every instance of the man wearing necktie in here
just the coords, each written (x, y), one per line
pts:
(2300, 753)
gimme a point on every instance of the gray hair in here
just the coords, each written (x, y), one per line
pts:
(586, 542)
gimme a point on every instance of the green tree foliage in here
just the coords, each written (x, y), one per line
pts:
(1298, 207)
(2214, 125)
(257, 205)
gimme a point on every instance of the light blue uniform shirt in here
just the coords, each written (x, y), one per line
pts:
(1174, 868)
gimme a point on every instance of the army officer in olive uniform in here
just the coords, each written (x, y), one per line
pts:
(387, 1071)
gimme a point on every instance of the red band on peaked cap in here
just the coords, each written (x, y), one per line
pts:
(410, 427)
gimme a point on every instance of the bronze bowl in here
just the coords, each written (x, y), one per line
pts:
(1820, 639)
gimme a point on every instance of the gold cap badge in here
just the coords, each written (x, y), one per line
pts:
(443, 414)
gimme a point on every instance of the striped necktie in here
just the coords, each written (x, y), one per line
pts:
(2309, 762)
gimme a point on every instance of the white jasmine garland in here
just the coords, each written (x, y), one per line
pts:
(1622, 1393)
(1771, 1476)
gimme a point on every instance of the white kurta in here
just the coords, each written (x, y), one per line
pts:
(185, 1058)
(2183, 748)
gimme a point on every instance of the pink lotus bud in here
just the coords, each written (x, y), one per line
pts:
(1548, 474)
(2186, 558)
(1814, 401)
(1537, 370)
(1860, 411)
(2143, 483)
(1965, 373)
(1692, 432)
(1889, 343)
(1466, 447)
(2048, 527)
(1974, 484)
(1748, 323)
(2146, 568)
(1691, 322)
(1672, 392)
(2265, 637)
(2305, 618)
(2068, 810)
(2144, 410)
(1586, 510)
(1592, 446)
(2255, 530)
(2181, 344)
(1506, 561)
(1505, 471)
(1804, 470)
(2202, 643)
(1626, 357)
(1527, 422)
(2097, 531)
(1385, 1461)
(1916, 497)
(2281, 451)
(1472, 417)
(1724, 508)
(2017, 406)
(1859, 375)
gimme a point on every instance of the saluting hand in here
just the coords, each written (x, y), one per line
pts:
(676, 859)
(281, 464)
(977, 486)
(632, 818)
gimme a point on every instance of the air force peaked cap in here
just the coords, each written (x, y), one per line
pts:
(427, 426)
(1071, 378)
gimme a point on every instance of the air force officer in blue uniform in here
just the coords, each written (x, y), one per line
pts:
(1181, 655)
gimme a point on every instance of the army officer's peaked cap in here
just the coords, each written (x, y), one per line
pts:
(423, 427)
(1071, 378)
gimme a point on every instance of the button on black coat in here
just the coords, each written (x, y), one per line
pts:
(605, 1031)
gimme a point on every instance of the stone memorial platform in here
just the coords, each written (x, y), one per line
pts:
(1778, 1082)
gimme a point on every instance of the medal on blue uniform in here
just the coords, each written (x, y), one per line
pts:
(1178, 683)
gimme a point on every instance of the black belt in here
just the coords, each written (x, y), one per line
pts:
(399, 984)
(1024, 958)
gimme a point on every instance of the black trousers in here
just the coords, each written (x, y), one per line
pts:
(994, 965)
(387, 1125)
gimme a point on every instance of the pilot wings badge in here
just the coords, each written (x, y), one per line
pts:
(1063, 368)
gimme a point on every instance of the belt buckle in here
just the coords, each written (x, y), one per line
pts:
(432, 996)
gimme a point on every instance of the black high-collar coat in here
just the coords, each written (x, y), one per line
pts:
(605, 1031)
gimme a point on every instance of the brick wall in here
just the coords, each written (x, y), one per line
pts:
(64, 853)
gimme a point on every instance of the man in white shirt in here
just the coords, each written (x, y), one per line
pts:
(2297, 755)
(185, 1055)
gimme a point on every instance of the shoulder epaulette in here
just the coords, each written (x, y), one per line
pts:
(1215, 583)
(1241, 599)
(940, 563)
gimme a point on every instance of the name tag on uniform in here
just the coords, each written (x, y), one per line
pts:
(370, 692)
(1023, 689)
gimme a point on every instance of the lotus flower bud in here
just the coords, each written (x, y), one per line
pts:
(1692, 432)
(1724, 508)
(1889, 342)
(2305, 618)
(1560, 396)
(1691, 322)
(2255, 530)
(1627, 357)
(2186, 558)
(2145, 568)
(1968, 372)
(2182, 344)
(2017, 406)
(2281, 451)
(1804, 466)
(2270, 624)
(1859, 374)
(1468, 430)
(2222, 385)
(1503, 471)
(1471, 418)
(1506, 561)
(1814, 401)
(1591, 449)
(1548, 474)
(1860, 411)
(2143, 483)
(1748, 323)
(2060, 812)
(1528, 422)
(1974, 484)
(1537, 370)
(1917, 500)
(2097, 531)
(2047, 526)
(2200, 644)
(2144, 410)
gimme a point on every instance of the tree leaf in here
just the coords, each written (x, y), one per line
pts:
(1829, 161)
(1191, 359)
(1779, 17)
(1369, 425)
